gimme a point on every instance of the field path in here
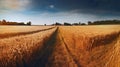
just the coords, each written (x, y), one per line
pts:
(69, 52)
(57, 51)
(44, 53)
(8, 35)
(64, 53)
(54, 53)
(66, 48)
(61, 56)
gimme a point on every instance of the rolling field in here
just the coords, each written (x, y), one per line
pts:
(9, 31)
(62, 46)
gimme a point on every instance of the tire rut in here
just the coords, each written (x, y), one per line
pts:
(48, 50)
(69, 52)
(22, 33)
(44, 53)
(40, 57)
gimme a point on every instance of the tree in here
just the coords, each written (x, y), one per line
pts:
(75, 24)
(4, 22)
(89, 22)
(58, 23)
(22, 23)
(83, 24)
(67, 24)
(79, 23)
(29, 23)
(44, 24)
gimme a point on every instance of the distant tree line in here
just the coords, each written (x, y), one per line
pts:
(105, 22)
(4, 22)
(68, 24)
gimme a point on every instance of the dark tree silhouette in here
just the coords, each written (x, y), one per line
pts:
(105, 22)
(89, 22)
(83, 24)
(67, 24)
(44, 24)
(29, 23)
(75, 24)
(79, 23)
(4, 22)
(58, 23)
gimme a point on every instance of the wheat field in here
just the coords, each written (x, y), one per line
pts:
(9, 31)
(61, 46)
(92, 46)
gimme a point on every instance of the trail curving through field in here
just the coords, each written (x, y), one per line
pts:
(8, 35)
(69, 52)
(61, 47)
(87, 57)
(92, 51)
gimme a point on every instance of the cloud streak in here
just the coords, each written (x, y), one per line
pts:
(17, 5)
(49, 18)
(51, 11)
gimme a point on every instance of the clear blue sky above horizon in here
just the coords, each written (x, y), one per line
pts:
(51, 11)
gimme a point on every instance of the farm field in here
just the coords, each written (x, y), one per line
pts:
(92, 46)
(8, 31)
(61, 46)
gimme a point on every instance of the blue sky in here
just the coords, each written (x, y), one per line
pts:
(51, 11)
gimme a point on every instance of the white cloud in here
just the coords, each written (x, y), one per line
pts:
(18, 5)
(49, 18)
(51, 6)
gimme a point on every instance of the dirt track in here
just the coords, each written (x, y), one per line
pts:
(58, 52)
(64, 49)
(65, 54)
(8, 35)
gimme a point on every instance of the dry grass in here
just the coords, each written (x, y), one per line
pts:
(19, 51)
(92, 46)
(10, 31)
(18, 29)
(67, 46)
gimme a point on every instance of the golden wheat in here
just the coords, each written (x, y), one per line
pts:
(66, 46)
(17, 51)
(92, 46)
(10, 31)
(18, 29)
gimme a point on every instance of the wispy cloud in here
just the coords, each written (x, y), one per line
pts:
(49, 18)
(16, 5)
(45, 12)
